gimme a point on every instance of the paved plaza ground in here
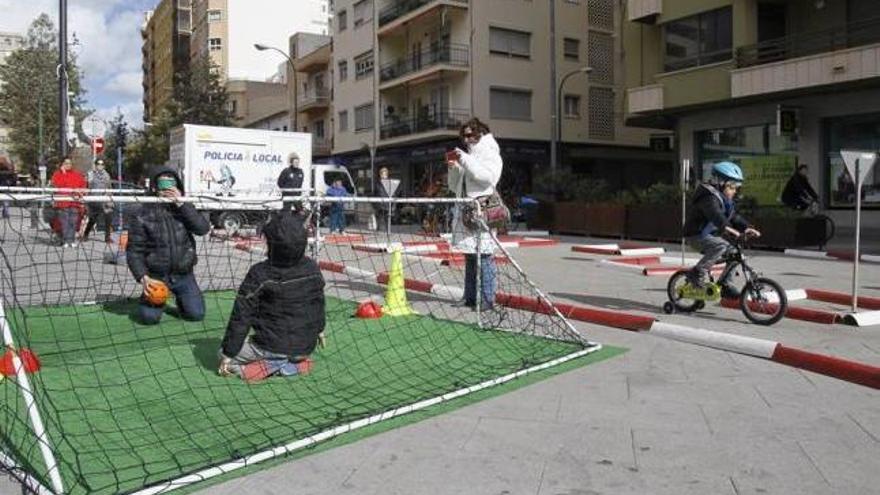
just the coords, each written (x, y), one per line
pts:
(663, 418)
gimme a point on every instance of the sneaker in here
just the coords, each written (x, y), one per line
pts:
(461, 303)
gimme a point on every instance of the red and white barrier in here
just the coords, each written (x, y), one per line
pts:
(655, 266)
(851, 371)
(617, 249)
(832, 255)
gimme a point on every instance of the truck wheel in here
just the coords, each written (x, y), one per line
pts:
(231, 222)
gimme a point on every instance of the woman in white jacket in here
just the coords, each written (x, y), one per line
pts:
(475, 174)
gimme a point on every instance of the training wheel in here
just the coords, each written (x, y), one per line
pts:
(668, 307)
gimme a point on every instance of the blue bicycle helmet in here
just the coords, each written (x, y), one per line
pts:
(728, 171)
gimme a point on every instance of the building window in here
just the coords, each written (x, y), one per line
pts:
(363, 12)
(510, 43)
(343, 121)
(363, 117)
(343, 70)
(572, 106)
(319, 129)
(363, 65)
(215, 15)
(767, 159)
(511, 104)
(854, 132)
(571, 49)
(215, 44)
(699, 40)
(342, 21)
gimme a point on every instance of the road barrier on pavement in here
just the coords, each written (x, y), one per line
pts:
(851, 371)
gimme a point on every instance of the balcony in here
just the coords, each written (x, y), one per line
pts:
(321, 146)
(645, 99)
(441, 122)
(318, 99)
(836, 55)
(452, 57)
(645, 11)
(402, 11)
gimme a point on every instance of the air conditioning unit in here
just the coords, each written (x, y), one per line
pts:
(662, 143)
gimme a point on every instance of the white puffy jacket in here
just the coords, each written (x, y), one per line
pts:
(479, 170)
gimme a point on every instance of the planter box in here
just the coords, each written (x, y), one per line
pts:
(782, 232)
(607, 220)
(653, 222)
(569, 218)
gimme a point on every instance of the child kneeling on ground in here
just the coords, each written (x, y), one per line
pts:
(282, 300)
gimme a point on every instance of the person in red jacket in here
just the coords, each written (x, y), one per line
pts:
(68, 212)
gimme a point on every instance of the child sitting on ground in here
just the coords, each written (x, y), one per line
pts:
(282, 300)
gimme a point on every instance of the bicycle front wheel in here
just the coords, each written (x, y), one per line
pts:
(763, 301)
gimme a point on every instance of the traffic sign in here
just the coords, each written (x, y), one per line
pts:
(94, 127)
(865, 159)
(97, 145)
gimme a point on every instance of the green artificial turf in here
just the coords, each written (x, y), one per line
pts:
(128, 405)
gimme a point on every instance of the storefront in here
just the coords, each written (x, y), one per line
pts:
(827, 123)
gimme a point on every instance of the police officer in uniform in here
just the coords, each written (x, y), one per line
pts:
(291, 178)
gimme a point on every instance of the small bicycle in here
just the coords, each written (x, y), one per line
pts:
(762, 300)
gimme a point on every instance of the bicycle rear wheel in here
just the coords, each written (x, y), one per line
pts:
(763, 301)
(674, 291)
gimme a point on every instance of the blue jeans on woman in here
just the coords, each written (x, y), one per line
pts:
(187, 294)
(68, 217)
(487, 280)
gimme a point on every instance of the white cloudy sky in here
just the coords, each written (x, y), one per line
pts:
(109, 47)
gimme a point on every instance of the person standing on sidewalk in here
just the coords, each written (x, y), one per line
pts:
(68, 212)
(100, 179)
(337, 209)
(291, 178)
(475, 174)
(7, 179)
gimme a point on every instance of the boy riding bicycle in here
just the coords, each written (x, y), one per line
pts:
(711, 215)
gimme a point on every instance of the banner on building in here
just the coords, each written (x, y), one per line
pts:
(766, 177)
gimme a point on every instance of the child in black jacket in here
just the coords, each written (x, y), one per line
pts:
(711, 216)
(282, 300)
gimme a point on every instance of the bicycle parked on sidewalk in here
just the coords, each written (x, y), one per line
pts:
(762, 300)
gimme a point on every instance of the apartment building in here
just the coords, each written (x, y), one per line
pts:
(408, 73)
(227, 30)
(9, 42)
(166, 47)
(312, 56)
(769, 84)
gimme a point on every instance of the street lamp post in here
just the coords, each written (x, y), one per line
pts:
(62, 78)
(262, 48)
(557, 135)
(372, 150)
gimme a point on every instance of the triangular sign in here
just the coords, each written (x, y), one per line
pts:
(866, 160)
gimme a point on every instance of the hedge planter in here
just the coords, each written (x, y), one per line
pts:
(653, 222)
(606, 220)
(568, 218)
(781, 232)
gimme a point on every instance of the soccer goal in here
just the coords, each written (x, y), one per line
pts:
(94, 401)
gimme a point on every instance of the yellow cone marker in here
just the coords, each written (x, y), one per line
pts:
(395, 296)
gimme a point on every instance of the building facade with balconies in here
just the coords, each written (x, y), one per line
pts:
(409, 73)
(768, 84)
(166, 37)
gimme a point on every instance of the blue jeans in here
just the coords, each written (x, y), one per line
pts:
(5, 208)
(337, 218)
(68, 218)
(188, 296)
(488, 270)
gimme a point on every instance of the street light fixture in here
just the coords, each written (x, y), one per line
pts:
(261, 47)
(557, 136)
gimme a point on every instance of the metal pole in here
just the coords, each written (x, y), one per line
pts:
(685, 173)
(553, 104)
(119, 158)
(855, 283)
(62, 77)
